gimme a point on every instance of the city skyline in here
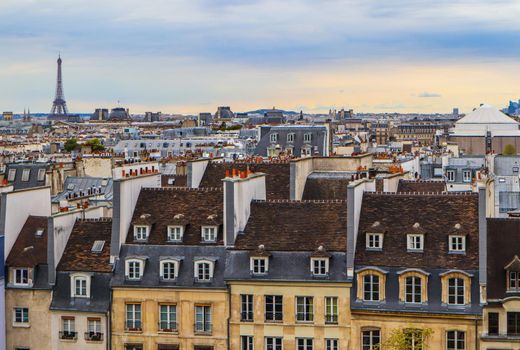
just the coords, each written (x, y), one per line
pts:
(189, 57)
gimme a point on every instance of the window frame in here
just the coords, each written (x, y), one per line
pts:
(11, 175)
(323, 267)
(291, 137)
(247, 312)
(255, 265)
(412, 248)
(247, 342)
(74, 278)
(169, 319)
(304, 343)
(307, 137)
(209, 272)
(207, 318)
(128, 270)
(137, 317)
(26, 175)
(41, 174)
(173, 237)
(306, 305)
(371, 283)
(371, 333)
(455, 288)
(464, 173)
(331, 310)
(331, 344)
(410, 295)
(451, 242)
(203, 233)
(273, 137)
(24, 316)
(167, 277)
(455, 339)
(276, 343)
(370, 244)
(140, 236)
(277, 308)
(452, 177)
(496, 323)
(21, 282)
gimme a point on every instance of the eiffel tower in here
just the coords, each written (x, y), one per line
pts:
(59, 106)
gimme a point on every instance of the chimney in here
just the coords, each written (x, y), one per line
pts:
(239, 190)
(355, 192)
(482, 242)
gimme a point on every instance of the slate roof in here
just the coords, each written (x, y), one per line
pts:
(326, 185)
(420, 186)
(78, 255)
(30, 250)
(277, 180)
(437, 216)
(32, 181)
(503, 237)
(191, 208)
(295, 226)
(80, 186)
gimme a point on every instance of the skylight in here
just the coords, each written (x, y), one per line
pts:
(97, 247)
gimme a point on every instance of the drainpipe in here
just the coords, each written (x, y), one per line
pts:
(476, 333)
(109, 323)
(229, 317)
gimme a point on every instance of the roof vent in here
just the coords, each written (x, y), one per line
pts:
(212, 216)
(28, 248)
(457, 226)
(261, 247)
(416, 225)
(178, 216)
(375, 224)
(39, 232)
(321, 248)
(145, 216)
(97, 247)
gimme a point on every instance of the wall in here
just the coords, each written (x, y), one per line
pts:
(97, 166)
(499, 143)
(81, 326)
(391, 182)
(117, 173)
(299, 170)
(196, 171)
(355, 192)
(15, 209)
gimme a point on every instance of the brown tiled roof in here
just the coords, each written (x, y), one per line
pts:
(276, 182)
(325, 188)
(421, 186)
(503, 243)
(191, 208)
(436, 215)
(30, 250)
(78, 255)
(180, 180)
(295, 225)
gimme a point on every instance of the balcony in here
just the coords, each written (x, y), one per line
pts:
(93, 336)
(203, 328)
(169, 327)
(68, 335)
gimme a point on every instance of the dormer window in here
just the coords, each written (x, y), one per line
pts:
(513, 275)
(209, 234)
(374, 241)
(415, 242)
(290, 137)
(273, 137)
(320, 266)
(141, 233)
(204, 270)
(457, 244)
(259, 265)
(450, 175)
(80, 286)
(169, 269)
(175, 233)
(21, 277)
(307, 137)
(11, 175)
(134, 269)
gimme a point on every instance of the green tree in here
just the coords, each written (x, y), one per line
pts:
(95, 145)
(70, 145)
(409, 338)
(509, 150)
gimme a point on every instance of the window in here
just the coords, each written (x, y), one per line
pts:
(203, 318)
(371, 338)
(331, 310)
(209, 234)
(68, 328)
(273, 308)
(290, 137)
(304, 343)
(133, 317)
(273, 343)
(246, 305)
(374, 241)
(80, 286)
(41, 174)
(371, 287)
(12, 175)
(97, 247)
(414, 339)
(514, 280)
(169, 269)
(21, 315)
(273, 137)
(493, 323)
(175, 233)
(413, 291)
(168, 318)
(204, 270)
(457, 244)
(456, 291)
(259, 266)
(304, 309)
(21, 277)
(134, 269)
(133, 346)
(320, 267)
(141, 233)
(25, 174)
(415, 242)
(513, 323)
(94, 326)
(307, 137)
(455, 340)
(466, 176)
(450, 175)
(331, 344)
(246, 342)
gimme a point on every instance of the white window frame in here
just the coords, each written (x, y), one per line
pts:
(247, 312)
(41, 174)
(322, 265)
(26, 174)
(455, 246)
(411, 242)
(140, 265)
(414, 293)
(273, 137)
(17, 282)
(374, 240)
(74, 278)
(450, 175)
(247, 342)
(94, 326)
(466, 178)
(11, 176)
(210, 271)
(276, 343)
(167, 276)
(22, 323)
(141, 232)
(132, 309)
(331, 344)
(304, 343)
(259, 265)
(209, 234)
(372, 285)
(170, 321)
(307, 137)
(290, 137)
(331, 310)
(456, 295)
(307, 304)
(206, 319)
(175, 233)
(455, 333)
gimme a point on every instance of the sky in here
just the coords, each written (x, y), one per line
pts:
(313, 55)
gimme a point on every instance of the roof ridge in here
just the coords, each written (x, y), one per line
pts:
(181, 188)
(447, 194)
(100, 219)
(299, 201)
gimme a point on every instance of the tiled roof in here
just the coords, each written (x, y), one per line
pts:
(326, 186)
(295, 226)
(276, 182)
(503, 243)
(421, 186)
(436, 216)
(30, 250)
(191, 208)
(78, 255)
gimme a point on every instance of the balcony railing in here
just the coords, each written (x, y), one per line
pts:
(93, 336)
(133, 326)
(67, 335)
(165, 326)
(331, 319)
(304, 317)
(274, 316)
(203, 327)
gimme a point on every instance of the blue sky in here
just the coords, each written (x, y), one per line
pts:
(191, 56)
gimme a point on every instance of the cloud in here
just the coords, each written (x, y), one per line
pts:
(429, 94)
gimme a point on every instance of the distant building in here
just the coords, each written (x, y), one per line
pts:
(506, 171)
(205, 119)
(461, 173)
(455, 111)
(119, 113)
(100, 114)
(513, 108)
(7, 115)
(224, 112)
(298, 140)
(152, 116)
(26, 175)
